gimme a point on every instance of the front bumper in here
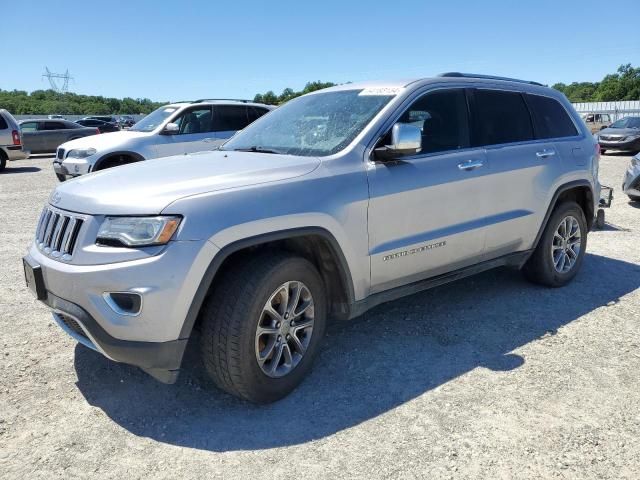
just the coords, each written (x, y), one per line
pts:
(72, 166)
(628, 145)
(152, 338)
(159, 359)
(631, 182)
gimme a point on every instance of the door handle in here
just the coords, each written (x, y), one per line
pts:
(470, 164)
(545, 153)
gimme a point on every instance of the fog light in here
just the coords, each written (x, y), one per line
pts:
(124, 303)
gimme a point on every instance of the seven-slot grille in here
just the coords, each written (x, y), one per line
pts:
(60, 154)
(57, 232)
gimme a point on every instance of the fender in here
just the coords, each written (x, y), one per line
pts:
(136, 156)
(226, 251)
(560, 190)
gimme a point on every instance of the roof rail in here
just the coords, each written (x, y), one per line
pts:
(243, 100)
(487, 77)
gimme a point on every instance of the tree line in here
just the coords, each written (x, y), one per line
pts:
(43, 102)
(622, 85)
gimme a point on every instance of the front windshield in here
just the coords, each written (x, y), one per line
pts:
(313, 125)
(153, 120)
(629, 122)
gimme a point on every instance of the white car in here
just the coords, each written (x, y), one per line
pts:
(173, 129)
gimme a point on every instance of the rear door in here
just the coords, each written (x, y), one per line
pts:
(54, 134)
(228, 119)
(522, 169)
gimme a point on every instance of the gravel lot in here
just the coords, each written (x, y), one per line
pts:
(488, 377)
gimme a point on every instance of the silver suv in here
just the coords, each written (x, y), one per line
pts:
(174, 129)
(336, 202)
(10, 139)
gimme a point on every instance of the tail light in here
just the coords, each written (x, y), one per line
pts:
(16, 137)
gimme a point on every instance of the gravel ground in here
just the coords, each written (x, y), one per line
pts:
(488, 377)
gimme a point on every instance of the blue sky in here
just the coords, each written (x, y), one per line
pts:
(190, 49)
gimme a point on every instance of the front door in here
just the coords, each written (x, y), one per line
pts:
(424, 215)
(195, 133)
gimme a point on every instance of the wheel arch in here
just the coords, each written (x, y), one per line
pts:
(101, 162)
(314, 243)
(580, 191)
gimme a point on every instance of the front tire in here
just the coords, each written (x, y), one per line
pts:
(560, 251)
(61, 177)
(263, 325)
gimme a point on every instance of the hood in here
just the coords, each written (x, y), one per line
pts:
(146, 188)
(104, 140)
(622, 132)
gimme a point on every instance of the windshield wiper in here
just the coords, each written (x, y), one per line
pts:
(256, 149)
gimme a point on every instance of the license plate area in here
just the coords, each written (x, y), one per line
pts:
(35, 280)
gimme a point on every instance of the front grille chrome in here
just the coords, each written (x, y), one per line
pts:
(57, 233)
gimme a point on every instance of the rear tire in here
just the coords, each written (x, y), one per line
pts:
(634, 198)
(3, 161)
(560, 251)
(602, 151)
(238, 328)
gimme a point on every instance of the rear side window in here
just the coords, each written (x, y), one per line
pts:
(227, 118)
(255, 113)
(29, 126)
(3, 123)
(552, 120)
(54, 126)
(501, 117)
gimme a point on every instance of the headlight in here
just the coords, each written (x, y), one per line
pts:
(137, 231)
(81, 152)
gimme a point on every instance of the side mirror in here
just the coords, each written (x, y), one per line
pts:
(406, 139)
(170, 129)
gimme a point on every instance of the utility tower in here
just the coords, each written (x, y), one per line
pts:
(54, 79)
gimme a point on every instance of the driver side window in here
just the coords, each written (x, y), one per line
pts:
(442, 117)
(196, 120)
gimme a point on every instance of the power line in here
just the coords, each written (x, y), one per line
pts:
(55, 77)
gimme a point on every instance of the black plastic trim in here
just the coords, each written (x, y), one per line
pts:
(159, 359)
(513, 259)
(225, 252)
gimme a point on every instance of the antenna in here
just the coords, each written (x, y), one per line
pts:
(53, 80)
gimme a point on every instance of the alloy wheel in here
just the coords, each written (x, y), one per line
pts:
(566, 244)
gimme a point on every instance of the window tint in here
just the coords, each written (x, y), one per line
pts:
(3, 123)
(552, 120)
(255, 113)
(53, 126)
(29, 126)
(195, 120)
(501, 117)
(228, 118)
(442, 118)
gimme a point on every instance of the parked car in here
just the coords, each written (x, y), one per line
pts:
(631, 182)
(172, 129)
(44, 136)
(596, 121)
(101, 125)
(126, 121)
(55, 117)
(406, 186)
(10, 139)
(621, 135)
(103, 118)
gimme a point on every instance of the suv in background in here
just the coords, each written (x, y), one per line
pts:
(173, 129)
(10, 139)
(337, 201)
(596, 121)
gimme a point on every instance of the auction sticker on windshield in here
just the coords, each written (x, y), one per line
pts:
(380, 91)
